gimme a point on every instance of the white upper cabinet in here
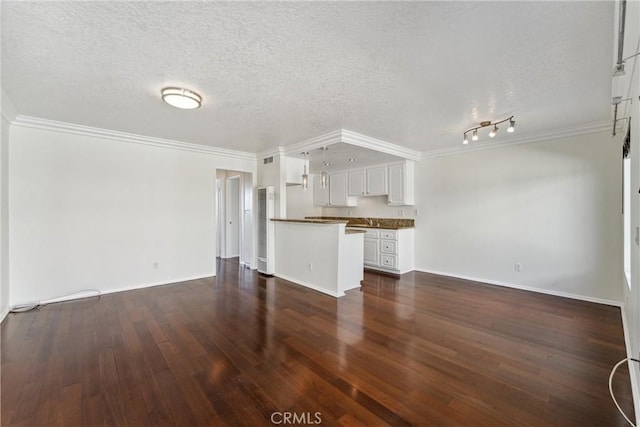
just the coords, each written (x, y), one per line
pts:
(320, 195)
(356, 183)
(294, 170)
(338, 192)
(335, 194)
(368, 182)
(401, 183)
(393, 179)
(376, 182)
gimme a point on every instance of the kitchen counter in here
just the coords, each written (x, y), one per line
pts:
(319, 254)
(351, 231)
(320, 221)
(368, 222)
(312, 220)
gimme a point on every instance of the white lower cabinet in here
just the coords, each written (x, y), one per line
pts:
(389, 250)
(370, 251)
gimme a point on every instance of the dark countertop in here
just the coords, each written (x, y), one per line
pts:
(354, 231)
(365, 222)
(311, 220)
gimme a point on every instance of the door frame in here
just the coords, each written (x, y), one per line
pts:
(233, 198)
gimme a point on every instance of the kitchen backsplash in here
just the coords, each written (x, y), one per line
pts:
(372, 207)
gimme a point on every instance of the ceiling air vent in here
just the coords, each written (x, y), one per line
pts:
(268, 160)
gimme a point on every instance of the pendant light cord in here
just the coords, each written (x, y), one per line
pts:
(21, 308)
(613, 371)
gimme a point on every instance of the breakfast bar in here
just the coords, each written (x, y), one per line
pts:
(319, 254)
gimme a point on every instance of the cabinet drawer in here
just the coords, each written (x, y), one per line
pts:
(388, 247)
(371, 234)
(388, 261)
(389, 234)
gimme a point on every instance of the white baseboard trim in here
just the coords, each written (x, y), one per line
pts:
(151, 285)
(524, 288)
(75, 296)
(634, 368)
(309, 285)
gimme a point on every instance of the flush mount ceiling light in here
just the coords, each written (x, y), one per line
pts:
(181, 98)
(492, 132)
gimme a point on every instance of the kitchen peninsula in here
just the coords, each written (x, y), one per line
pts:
(319, 254)
(388, 242)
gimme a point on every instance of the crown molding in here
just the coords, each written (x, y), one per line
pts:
(364, 141)
(352, 138)
(314, 143)
(71, 128)
(524, 139)
(277, 151)
(9, 112)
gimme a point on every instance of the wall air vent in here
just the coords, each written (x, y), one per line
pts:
(268, 160)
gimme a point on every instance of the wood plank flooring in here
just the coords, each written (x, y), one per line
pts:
(242, 349)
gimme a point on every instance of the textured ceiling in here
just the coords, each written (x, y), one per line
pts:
(415, 74)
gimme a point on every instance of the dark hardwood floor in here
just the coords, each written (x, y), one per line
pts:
(246, 350)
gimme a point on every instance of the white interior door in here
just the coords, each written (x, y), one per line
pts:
(246, 228)
(219, 220)
(233, 216)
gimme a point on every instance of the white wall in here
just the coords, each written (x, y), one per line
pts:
(300, 201)
(552, 206)
(88, 212)
(274, 174)
(628, 86)
(4, 219)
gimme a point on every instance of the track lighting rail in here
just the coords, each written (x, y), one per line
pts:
(492, 132)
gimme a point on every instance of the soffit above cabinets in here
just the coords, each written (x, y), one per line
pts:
(338, 155)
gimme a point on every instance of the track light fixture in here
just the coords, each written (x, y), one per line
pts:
(492, 132)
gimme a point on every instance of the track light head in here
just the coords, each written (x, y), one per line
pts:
(492, 132)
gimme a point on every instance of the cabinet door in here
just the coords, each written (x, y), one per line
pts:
(396, 184)
(356, 183)
(371, 251)
(320, 195)
(338, 190)
(401, 183)
(376, 182)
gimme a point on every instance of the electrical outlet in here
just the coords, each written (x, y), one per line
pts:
(310, 266)
(517, 267)
(155, 265)
(416, 212)
(400, 212)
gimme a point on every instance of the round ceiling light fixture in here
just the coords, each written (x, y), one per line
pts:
(181, 98)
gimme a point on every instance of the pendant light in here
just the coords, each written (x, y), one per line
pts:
(324, 177)
(305, 177)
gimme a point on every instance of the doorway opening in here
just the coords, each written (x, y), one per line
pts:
(234, 216)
